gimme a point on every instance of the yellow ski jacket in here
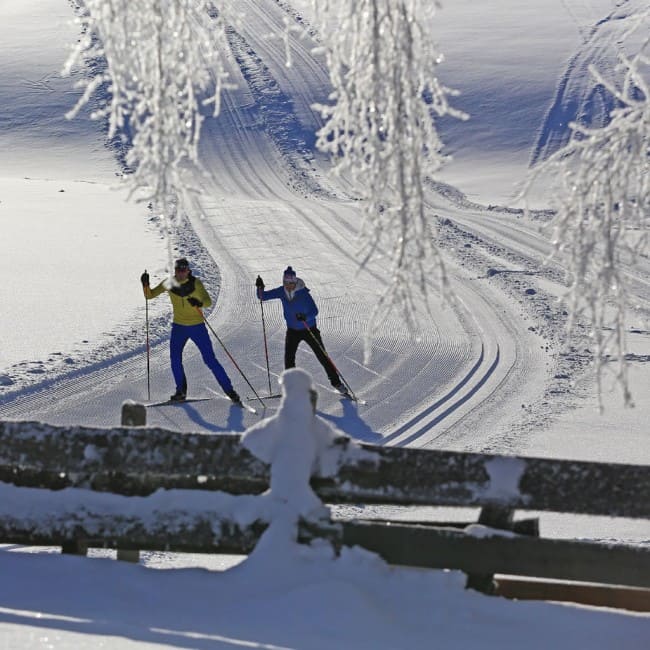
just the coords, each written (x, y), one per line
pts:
(184, 313)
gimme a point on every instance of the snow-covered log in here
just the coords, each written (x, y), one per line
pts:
(139, 461)
(479, 551)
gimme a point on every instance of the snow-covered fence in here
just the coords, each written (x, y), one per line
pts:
(149, 488)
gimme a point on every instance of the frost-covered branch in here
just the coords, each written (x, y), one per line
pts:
(380, 130)
(157, 61)
(602, 181)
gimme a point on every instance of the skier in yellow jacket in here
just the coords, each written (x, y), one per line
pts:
(187, 298)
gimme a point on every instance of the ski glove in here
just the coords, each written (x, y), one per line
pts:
(259, 283)
(301, 317)
(144, 278)
(194, 302)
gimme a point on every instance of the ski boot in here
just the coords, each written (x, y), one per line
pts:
(342, 390)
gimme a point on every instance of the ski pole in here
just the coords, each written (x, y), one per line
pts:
(146, 312)
(266, 349)
(225, 349)
(322, 349)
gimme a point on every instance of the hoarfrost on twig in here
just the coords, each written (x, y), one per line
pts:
(380, 131)
(602, 183)
(157, 61)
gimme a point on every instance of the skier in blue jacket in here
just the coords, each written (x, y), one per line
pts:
(300, 314)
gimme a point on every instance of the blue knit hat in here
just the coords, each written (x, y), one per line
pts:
(289, 275)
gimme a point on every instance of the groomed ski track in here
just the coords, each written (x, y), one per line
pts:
(268, 202)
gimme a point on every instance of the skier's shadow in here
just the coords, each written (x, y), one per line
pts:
(352, 424)
(235, 421)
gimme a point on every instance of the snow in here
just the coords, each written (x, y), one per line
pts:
(485, 375)
(69, 264)
(294, 443)
(504, 474)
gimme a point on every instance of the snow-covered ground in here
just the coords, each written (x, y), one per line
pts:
(485, 375)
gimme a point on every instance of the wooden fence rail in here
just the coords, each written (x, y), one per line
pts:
(139, 463)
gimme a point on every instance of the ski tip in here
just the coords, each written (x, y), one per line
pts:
(350, 397)
(245, 407)
(345, 395)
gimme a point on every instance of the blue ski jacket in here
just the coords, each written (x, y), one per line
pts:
(295, 302)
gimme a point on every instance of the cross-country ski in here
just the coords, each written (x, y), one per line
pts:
(274, 396)
(178, 402)
(240, 403)
(343, 393)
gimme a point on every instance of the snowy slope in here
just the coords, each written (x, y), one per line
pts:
(268, 204)
(483, 374)
(577, 98)
(67, 231)
(491, 359)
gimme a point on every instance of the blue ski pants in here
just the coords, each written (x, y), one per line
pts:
(199, 334)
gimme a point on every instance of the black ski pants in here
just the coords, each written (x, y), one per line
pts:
(291, 342)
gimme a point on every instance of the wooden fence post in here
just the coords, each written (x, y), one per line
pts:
(128, 555)
(74, 547)
(494, 516)
(133, 414)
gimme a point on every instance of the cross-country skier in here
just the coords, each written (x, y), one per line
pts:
(300, 315)
(187, 296)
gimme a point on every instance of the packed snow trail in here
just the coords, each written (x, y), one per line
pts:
(267, 203)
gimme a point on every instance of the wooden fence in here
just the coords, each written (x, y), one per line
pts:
(140, 462)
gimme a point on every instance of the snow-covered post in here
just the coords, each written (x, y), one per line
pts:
(297, 444)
